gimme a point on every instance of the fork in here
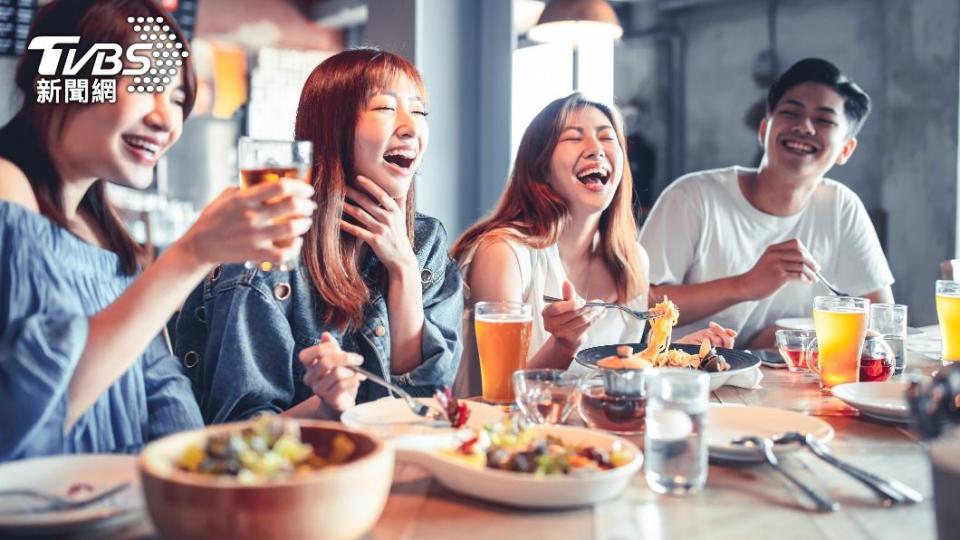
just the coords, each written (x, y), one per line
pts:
(418, 408)
(765, 447)
(827, 284)
(642, 315)
(56, 502)
(891, 491)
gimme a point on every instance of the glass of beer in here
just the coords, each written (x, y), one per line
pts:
(841, 326)
(270, 161)
(948, 313)
(503, 337)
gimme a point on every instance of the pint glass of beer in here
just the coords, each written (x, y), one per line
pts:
(948, 313)
(841, 326)
(503, 337)
(269, 161)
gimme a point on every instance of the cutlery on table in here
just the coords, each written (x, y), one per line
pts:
(58, 502)
(827, 284)
(418, 408)
(640, 314)
(891, 491)
(765, 447)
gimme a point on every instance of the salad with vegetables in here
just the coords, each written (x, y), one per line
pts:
(268, 449)
(509, 446)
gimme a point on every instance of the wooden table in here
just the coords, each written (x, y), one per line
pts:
(738, 502)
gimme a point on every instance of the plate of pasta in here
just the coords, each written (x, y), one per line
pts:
(658, 351)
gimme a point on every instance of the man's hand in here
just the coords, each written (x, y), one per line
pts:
(780, 264)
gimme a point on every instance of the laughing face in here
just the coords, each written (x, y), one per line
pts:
(391, 136)
(587, 163)
(121, 142)
(807, 133)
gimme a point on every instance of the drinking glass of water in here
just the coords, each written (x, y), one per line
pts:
(545, 396)
(890, 321)
(675, 439)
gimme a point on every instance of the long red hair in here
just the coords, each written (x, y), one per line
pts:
(539, 214)
(335, 94)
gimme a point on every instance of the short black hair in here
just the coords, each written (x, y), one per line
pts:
(856, 102)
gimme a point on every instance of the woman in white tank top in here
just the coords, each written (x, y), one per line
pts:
(563, 228)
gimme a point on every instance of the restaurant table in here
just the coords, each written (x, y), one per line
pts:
(738, 502)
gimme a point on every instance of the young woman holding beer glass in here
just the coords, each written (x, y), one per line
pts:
(563, 228)
(374, 286)
(83, 367)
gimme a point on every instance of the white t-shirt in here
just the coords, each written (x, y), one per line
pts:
(703, 228)
(542, 273)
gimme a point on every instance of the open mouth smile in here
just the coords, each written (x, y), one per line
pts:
(799, 147)
(594, 177)
(145, 149)
(401, 158)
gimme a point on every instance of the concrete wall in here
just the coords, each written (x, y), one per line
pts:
(9, 97)
(905, 54)
(466, 68)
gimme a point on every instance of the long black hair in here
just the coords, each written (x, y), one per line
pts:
(25, 140)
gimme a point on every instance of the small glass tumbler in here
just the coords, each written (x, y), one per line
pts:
(890, 321)
(545, 396)
(675, 439)
(792, 345)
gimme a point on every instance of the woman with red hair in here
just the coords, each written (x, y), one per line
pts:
(564, 228)
(374, 286)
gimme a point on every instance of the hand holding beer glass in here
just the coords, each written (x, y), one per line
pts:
(503, 337)
(264, 161)
(841, 326)
(948, 314)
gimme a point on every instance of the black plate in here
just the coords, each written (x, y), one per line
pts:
(739, 360)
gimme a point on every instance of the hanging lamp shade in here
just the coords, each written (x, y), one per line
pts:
(576, 21)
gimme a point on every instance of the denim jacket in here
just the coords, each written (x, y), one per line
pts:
(240, 332)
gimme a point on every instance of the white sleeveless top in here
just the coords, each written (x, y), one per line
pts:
(541, 273)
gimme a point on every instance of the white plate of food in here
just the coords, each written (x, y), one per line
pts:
(391, 417)
(74, 477)
(881, 400)
(562, 476)
(806, 323)
(728, 422)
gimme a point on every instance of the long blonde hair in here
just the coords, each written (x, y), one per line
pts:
(531, 207)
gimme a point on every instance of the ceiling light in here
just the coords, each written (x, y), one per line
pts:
(576, 21)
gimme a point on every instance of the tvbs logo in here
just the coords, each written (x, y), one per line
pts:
(153, 61)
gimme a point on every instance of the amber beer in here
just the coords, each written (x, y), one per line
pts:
(948, 314)
(841, 326)
(503, 337)
(270, 161)
(253, 177)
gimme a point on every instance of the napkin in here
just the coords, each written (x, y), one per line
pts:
(748, 379)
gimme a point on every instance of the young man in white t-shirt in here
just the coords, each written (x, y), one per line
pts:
(741, 246)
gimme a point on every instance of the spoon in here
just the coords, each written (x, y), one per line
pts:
(890, 491)
(827, 284)
(765, 446)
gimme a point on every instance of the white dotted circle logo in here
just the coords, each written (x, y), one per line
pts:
(165, 58)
